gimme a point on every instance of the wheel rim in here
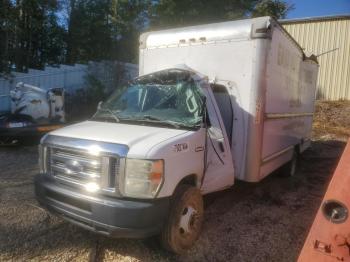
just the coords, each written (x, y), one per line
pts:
(188, 221)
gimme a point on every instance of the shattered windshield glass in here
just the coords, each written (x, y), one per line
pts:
(170, 97)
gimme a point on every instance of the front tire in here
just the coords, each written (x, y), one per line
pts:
(185, 220)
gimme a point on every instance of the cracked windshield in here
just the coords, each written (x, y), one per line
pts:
(169, 97)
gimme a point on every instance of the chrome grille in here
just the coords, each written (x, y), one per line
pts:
(75, 166)
(78, 167)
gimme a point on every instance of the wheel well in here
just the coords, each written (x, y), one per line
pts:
(189, 180)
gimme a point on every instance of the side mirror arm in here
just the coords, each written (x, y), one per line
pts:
(205, 118)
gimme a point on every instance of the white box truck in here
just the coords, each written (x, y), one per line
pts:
(212, 104)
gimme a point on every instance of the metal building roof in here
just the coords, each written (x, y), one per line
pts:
(328, 38)
(314, 19)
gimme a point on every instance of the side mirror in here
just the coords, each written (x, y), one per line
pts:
(99, 105)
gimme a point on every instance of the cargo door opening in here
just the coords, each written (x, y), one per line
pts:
(223, 101)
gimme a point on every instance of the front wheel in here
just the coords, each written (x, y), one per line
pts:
(185, 220)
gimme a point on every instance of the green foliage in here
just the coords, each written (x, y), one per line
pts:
(101, 80)
(83, 103)
(275, 8)
(105, 29)
(54, 38)
(7, 26)
(88, 31)
(34, 33)
(170, 13)
(29, 34)
(96, 89)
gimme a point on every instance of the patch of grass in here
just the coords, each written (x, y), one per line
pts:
(332, 118)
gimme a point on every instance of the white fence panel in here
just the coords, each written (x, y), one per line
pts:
(71, 78)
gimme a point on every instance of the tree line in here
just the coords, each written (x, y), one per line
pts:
(34, 33)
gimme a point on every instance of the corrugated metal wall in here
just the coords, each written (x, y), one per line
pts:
(321, 36)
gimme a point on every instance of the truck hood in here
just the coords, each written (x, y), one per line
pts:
(144, 137)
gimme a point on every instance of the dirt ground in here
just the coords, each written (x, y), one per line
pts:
(267, 221)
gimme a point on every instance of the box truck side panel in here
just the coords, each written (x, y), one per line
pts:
(289, 102)
(283, 70)
(308, 81)
(256, 117)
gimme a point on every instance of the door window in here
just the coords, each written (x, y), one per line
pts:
(223, 101)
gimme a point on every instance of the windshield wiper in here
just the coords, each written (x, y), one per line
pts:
(114, 115)
(153, 119)
(173, 123)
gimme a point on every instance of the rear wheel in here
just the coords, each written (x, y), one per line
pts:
(290, 168)
(185, 220)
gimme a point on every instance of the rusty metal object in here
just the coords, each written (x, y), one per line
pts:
(329, 236)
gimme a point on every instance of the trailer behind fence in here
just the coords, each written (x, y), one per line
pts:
(81, 82)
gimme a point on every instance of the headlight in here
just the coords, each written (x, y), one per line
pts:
(142, 178)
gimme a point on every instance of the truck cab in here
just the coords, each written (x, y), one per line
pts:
(119, 172)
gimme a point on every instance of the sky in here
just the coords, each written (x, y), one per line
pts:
(311, 8)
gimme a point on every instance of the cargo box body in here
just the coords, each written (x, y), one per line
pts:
(269, 81)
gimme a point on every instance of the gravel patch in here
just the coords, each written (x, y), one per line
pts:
(267, 221)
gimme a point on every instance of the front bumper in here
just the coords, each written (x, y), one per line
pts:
(109, 216)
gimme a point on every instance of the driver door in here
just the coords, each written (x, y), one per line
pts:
(219, 170)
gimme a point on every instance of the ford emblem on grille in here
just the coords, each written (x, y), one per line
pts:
(73, 167)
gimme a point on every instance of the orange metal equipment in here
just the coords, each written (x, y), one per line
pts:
(329, 237)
